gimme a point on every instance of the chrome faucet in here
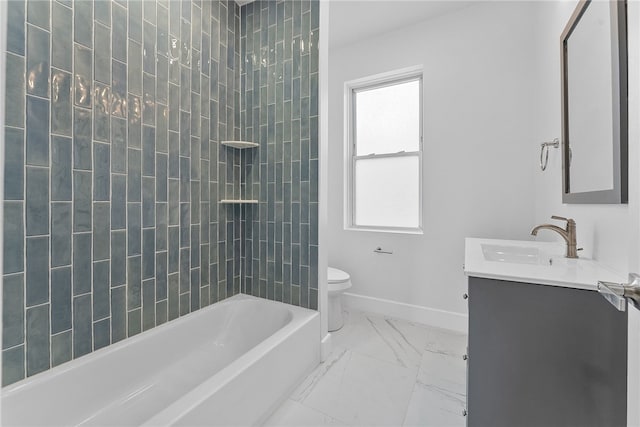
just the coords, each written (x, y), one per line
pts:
(568, 234)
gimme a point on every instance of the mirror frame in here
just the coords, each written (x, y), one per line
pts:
(619, 193)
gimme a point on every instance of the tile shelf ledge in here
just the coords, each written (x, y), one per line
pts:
(237, 201)
(240, 144)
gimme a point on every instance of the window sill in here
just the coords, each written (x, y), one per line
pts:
(415, 231)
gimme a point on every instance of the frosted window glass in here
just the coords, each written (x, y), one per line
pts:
(388, 119)
(387, 192)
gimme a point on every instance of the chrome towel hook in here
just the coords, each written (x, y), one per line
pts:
(544, 152)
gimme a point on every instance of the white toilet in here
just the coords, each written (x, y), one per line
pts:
(338, 282)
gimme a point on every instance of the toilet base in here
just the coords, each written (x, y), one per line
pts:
(336, 319)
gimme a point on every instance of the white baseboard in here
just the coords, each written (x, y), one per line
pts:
(409, 312)
(326, 345)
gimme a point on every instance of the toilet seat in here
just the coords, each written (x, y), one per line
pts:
(338, 280)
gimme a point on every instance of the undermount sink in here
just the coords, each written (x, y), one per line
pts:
(516, 254)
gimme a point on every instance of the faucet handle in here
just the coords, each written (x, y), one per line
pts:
(561, 218)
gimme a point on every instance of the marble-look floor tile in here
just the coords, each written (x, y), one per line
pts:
(431, 406)
(359, 390)
(336, 363)
(292, 413)
(383, 338)
(446, 342)
(443, 371)
(383, 371)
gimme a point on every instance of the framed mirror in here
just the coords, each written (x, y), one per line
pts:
(594, 104)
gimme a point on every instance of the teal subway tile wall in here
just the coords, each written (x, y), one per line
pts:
(279, 78)
(114, 171)
(114, 168)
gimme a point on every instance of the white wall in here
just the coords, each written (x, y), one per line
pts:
(323, 210)
(603, 230)
(478, 162)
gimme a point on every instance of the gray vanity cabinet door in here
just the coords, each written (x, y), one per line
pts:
(544, 356)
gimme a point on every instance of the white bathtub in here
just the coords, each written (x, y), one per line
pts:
(227, 364)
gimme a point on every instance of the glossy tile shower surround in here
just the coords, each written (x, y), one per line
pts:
(280, 111)
(113, 172)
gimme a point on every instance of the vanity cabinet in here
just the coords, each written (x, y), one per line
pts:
(543, 355)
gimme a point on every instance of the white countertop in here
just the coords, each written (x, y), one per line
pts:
(581, 273)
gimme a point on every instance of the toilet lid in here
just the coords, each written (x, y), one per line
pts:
(337, 276)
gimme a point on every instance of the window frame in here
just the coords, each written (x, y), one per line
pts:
(351, 88)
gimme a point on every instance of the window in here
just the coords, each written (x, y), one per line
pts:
(384, 134)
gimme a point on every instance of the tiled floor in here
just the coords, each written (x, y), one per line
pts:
(383, 372)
